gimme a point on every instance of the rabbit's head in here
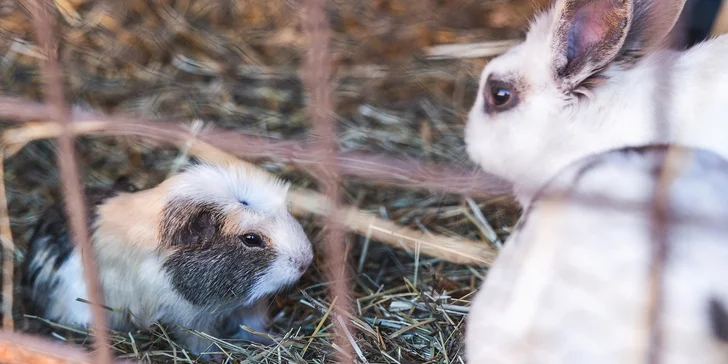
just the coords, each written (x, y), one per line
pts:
(527, 119)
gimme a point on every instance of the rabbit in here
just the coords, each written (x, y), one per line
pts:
(572, 285)
(203, 249)
(592, 76)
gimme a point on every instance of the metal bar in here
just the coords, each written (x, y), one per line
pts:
(317, 71)
(403, 172)
(8, 247)
(75, 204)
(16, 348)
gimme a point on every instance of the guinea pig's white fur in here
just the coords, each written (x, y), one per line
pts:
(175, 253)
(572, 284)
(627, 91)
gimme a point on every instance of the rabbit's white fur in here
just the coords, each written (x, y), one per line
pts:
(550, 125)
(572, 284)
(174, 254)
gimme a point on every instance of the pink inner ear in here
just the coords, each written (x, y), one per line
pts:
(590, 30)
(591, 24)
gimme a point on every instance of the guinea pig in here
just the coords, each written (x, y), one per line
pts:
(576, 281)
(203, 250)
(593, 76)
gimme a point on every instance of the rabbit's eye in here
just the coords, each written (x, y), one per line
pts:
(501, 93)
(501, 96)
(252, 240)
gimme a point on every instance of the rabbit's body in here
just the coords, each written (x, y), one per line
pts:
(564, 104)
(573, 284)
(179, 253)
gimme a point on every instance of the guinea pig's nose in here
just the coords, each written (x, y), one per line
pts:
(301, 264)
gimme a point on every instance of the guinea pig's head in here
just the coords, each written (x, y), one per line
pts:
(228, 236)
(530, 116)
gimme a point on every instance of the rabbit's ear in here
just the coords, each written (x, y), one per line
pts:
(588, 35)
(652, 20)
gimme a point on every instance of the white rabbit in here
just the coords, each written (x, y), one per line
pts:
(593, 76)
(572, 286)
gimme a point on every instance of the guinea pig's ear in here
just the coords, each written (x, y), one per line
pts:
(587, 35)
(188, 224)
(199, 228)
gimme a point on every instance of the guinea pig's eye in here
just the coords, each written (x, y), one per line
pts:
(252, 240)
(500, 96)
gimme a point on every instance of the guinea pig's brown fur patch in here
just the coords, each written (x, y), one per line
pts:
(131, 218)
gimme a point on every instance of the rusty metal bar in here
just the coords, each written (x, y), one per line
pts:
(75, 204)
(317, 71)
(8, 248)
(16, 348)
(660, 216)
(403, 172)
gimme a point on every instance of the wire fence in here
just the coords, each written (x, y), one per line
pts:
(318, 152)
